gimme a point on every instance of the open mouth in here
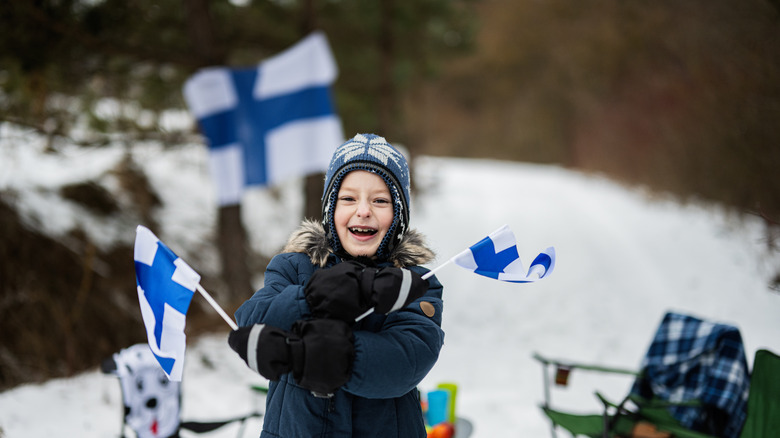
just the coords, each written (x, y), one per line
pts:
(361, 231)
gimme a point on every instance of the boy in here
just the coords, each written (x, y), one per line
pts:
(331, 376)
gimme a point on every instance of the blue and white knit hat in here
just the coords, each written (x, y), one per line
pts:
(374, 154)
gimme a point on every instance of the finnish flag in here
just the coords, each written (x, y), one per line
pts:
(165, 286)
(268, 123)
(496, 257)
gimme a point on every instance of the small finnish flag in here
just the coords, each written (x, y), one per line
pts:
(165, 286)
(496, 257)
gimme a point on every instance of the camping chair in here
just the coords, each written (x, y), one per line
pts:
(693, 381)
(764, 400)
(152, 402)
(632, 417)
(763, 405)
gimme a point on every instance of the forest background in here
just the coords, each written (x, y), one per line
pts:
(679, 97)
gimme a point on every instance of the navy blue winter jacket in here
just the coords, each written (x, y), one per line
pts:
(393, 353)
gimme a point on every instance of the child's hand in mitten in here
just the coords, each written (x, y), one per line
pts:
(348, 289)
(267, 350)
(319, 352)
(329, 349)
(394, 288)
(338, 292)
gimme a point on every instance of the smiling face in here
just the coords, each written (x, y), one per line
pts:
(363, 214)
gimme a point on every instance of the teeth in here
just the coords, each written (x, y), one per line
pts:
(362, 230)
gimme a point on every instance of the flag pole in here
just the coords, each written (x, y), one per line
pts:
(430, 273)
(425, 276)
(216, 307)
(367, 312)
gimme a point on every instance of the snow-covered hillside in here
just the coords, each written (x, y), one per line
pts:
(624, 259)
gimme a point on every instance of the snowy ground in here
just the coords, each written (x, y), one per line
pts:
(624, 259)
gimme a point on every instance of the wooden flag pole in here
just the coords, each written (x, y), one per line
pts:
(216, 307)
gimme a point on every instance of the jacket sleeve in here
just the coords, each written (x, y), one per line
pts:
(394, 360)
(281, 301)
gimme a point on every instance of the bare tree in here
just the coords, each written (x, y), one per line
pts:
(231, 234)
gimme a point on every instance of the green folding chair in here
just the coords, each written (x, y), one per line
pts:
(615, 419)
(763, 411)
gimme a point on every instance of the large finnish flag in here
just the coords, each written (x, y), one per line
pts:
(496, 257)
(271, 122)
(165, 286)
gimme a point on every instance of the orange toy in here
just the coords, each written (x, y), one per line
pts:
(442, 430)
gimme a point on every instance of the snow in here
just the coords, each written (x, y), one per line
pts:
(624, 258)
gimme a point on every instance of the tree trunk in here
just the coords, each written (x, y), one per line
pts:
(231, 235)
(308, 17)
(387, 92)
(231, 240)
(312, 191)
(202, 36)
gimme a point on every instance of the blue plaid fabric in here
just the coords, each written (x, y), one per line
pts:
(695, 360)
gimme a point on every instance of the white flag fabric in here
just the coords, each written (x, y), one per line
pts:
(165, 286)
(271, 122)
(496, 257)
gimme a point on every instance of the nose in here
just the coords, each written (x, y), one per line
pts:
(151, 403)
(363, 209)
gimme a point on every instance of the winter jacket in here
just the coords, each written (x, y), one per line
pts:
(393, 353)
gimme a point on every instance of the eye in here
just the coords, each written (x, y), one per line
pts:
(346, 198)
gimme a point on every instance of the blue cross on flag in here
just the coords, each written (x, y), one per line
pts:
(267, 123)
(496, 257)
(165, 286)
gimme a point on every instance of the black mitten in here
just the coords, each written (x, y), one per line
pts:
(394, 288)
(267, 350)
(319, 352)
(328, 352)
(340, 291)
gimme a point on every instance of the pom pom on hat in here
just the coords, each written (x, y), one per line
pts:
(374, 154)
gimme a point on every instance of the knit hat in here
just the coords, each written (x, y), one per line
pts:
(374, 154)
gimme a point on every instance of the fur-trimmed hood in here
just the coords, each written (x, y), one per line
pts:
(310, 238)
